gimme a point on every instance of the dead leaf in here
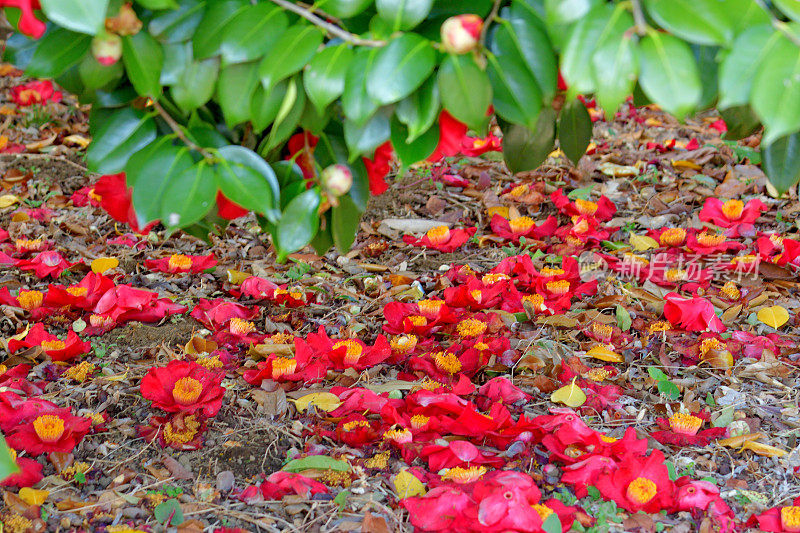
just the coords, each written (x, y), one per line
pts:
(324, 401)
(177, 470)
(104, 264)
(570, 395)
(272, 403)
(774, 316)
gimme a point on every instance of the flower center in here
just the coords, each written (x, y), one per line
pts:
(431, 385)
(558, 287)
(355, 424)
(23, 245)
(476, 295)
(418, 320)
(491, 279)
(465, 475)
(602, 331)
(730, 291)
(30, 299)
(404, 343)
(471, 327)
(99, 321)
(78, 292)
(49, 428)
(542, 510)
(50, 346)
(743, 259)
(400, 436)
(240, 326)
(430, 308)
(607, 439)
(585, 207)
(673, 237)
(447, 362)
(80, 371)
(439, 235)
(187, 390)
(179, 262)
(521, 225)
(581, 227)
(282, 366)
(732, 209)
(519, 190)
(481, 346)
(419, 421)
(597, 374)
(353, 350)
(776, 239)
(183, 435)
(536, 300)
(661, 325)
(790, 518)
(674, 275)
(685, 424)
(550, 272)
(710, 344)
(710, 239)
(641, 490)
(209, 362)
(573, 241)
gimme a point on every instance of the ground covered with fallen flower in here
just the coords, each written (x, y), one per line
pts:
(612, 347)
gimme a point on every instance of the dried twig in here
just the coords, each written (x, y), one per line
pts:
(332, 29)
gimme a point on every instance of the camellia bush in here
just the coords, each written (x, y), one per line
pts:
(296, 110)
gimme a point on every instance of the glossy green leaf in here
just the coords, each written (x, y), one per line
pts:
(740, 120)
(169, 510)
(525, 149)
(698, 21)
(781, 162)
(266, 104)
(403, 14)
(344, 223)
(530, 38)
(566, 11)
(8, 465)
(20, 48)
(417, 150)
(465, 91)
(744, 14)
(581, 42)
(143, 58)
(178, 25)
(324, 78)
(56, 52)
(790, 8)
(776, 91)
(344, 8)
(289, 115)
(669, 73)
(208, 37)
(289, 54)
(298, 225)
(248, 180)
(150, 171)
(235, 89)
(177, 57)
(189, 196)
(251, 32)
(362, 140)
(196, 85)
(158, 4)
(356, 103)
(737, 72)
(82, 16)
(400, 68)
(552, 524)
(707, 66)
(420, 110)
(574, 130)
(313, 120)
(122, 133)
(614, 67)
(95, 76)
(323, 240)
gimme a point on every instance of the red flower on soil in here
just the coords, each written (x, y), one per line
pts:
(780, 519)
(442, 238)
(451, 135)
(583, 231)
(28, 23)
(441, 509)
(421, 318)
(83, 295)
(179, 263)
(500, 389)
(705, 242)
(639, 484)
(474, 295)
(732, 213)
(279, 484)
(54, 347)
(30, 472)
(507, 501)
(379, 167)
(179, 431)
(691, 314)
(518, 227)
(356, 431)
(30, 300)
(216, 314)
(35, 92)
(683, 429)
(49, 263)
(475, 146)
(777, 249)
(255, 287)
(304, 366)
(602, 210)
(115, 198)
(349, 353)
(55, 431)
(183, 387)
(458, 453)
(584, 473)
(695, 495)
(124, 303)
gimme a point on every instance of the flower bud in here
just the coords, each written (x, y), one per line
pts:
(337, 180)
(125, 22)
(107, 48)
(461, 33)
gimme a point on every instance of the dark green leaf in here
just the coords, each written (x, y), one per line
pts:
(297, 226)
(403, 14)
(95, 76)
(738, 71)
(740, 120)
(566, 11)
(169, 509)
(248, 180)
(189, 196)
(417, 150)
(574, 130)
(177, 57)
(580, 45)
(344, 223)
(150, 171)
(179, 25)
(158, 4)
(669, 73)
(289, 114)
(420, 110)
(143, 58)
(19, 49)
(323, 240)
(776, 91)
(698, 21)
(706, 57)
(313, 120)
(344, 8)
(325, 76)
(56, 52)
(8, 465)
(525, 149)
(782, 161)
(465, 91)
(116, 98)
(534, 45)
(400, 68)
(251, 32)
(82, 16)
(266, 104)
(287, 172)
(516, 95)
(614, 66)
(235, 89)
(208, 36)
(362, 140)
(196, 85)
(356, 103)
(122, 133)
(289, 54)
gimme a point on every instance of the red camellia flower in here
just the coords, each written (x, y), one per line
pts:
(732, 213)
(683, 429)
(35, 92)
(777, 249)
(349, 353)
(227, 209)
(506, 501)
(30, 300)
(442, 238)
(179, 431)
(420, 318)
(517, 227)
(379, 167)
(451, 135)
(55, 431)
(706, 242)
(475, 146)
(783, 518)
(305, 366)
(28, 23)
(183, 387)
(696, 495)
(49, 263)
(84, 295)
(54, 347)
(441, 509)
(458, 453)
(602, 210)
(179, 263)
(356, 431)
(691, 314)
(115, 198)
(279, 484)
(639, 484)
(124, 303)
(215, 314)
(30, 472)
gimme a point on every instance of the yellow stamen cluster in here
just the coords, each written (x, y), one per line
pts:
(476, 295)
(353, 350)
(710, 344)
(49, 428)
(418, 320)
(790, 518)
(399, 436)
(550, 272)
(732, 209)
(481, 346)
(471, 327)
(31, 245)
(99, 321)
(464, 475)
(641, 490)
(519, 190)
(355, 424)
(210, 362)
(419, 421)
(673, 237)
(380, 460)
(730, 291)
(597, 374)
(685, 424)
(431, 385)
(674, 275)
(602, 331)
(710, 239)
(281, 338)
(29, 300)
(447, 362)
(78, 292)
(535, 300)
(743, 259)
(179, 262)
(282, 366)
(174, 435)
(607, 439)
(580, 226)
(585, 207)
(16, 523)
(542, 510)
(79, 467)
(336, 478)
(80, 372)
(520, 225)
(187, 390)
(439, 235)
(490, 279)
(52, 346)
(558, 287)
(430, 308)
(404, 344)
(659, 326)
(239, 326)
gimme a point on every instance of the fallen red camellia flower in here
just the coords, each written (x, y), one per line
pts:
(179, 263)
(784, 518)
(48, 263)
(56, 431)
(30, 472)
(183, 387)
(35, 92)
(732, 213)
(442, 238)
(639, 484)
(54, 347)
(691, 314)
(602, 210)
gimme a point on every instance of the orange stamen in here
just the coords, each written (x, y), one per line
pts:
(29, 300)
(239, 326)
(673, 237)
(353, 350)
(447, 362)
(282, 366)
(465, 475)
(732, 209)
(685, 424)
(179, 262)
(520, 225)
(51, 346)
(49, 428)
(470, 327)
(641, 490)
(186, 390)
(585, 207)
(438, 235)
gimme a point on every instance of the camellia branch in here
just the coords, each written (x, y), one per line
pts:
(638, 17)
(174, 126)
(779, 24)
(332, 29)
(489, 19)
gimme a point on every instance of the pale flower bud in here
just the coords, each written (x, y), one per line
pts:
(337, 180)
(107, 48)
(460, 34)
